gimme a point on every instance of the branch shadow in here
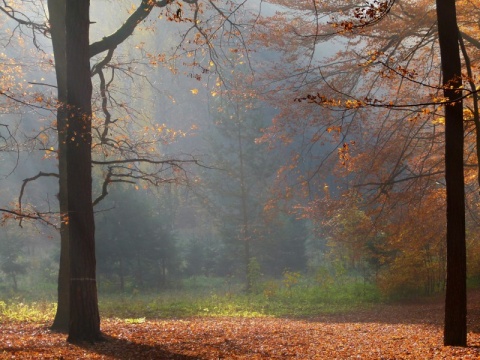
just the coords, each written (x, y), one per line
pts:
(126, 350)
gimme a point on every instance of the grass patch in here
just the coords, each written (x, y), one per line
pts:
(273, 299)
(299, 301)
(36, 311)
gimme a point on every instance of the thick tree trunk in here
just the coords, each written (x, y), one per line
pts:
(84, 315)
(56, 10)
(455, 331)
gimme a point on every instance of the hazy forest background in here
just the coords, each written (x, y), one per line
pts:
(269, 162)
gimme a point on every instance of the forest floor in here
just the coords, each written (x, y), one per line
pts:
(401, 331)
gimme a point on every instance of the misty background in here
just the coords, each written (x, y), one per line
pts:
(228, 219)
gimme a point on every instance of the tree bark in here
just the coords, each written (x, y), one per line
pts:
(84, 314)
(56, 10)
(455, 330)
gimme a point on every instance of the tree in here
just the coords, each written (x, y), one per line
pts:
(341, 94)
(84, 314)
(455, 330)
(237, 189)
(56, 10)
(282, 247)
(126, 151)
(11, 262)
(134, 240)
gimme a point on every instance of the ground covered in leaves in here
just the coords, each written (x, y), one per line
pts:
(401, 331)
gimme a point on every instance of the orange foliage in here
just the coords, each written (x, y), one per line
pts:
(389, 332)
(364, 117)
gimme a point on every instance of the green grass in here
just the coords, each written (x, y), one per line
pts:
(298, 301)
(200, 299)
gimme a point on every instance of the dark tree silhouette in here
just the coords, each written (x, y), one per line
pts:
(455, 331)
(56, 10)
(84, 314)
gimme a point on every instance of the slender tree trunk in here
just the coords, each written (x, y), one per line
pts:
(56, 10)
(14, 279)
(139, 280)
(455, 331)
(162, 280)
(122, 277)
(243, 191)
(84, 315)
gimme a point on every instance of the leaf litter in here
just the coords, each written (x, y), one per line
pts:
(400, 331)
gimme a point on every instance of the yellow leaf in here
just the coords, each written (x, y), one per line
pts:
(439, 121)
(194, 91)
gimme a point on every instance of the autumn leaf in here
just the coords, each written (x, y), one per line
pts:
(401, 331)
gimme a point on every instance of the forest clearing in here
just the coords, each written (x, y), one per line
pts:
(410, 330)
(213, 179)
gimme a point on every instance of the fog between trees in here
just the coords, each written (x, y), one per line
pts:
(293, 168)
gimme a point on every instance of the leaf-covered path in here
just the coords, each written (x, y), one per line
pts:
(411, 331)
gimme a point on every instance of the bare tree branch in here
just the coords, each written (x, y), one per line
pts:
(470, 39)
(19, 215)
(23, 20)
(25, 183)
(112, 41)
(150, 161)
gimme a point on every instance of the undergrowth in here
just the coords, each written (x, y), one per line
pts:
(272, 299)
(35, 311)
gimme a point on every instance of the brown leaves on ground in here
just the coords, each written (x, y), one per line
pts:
(412, 331)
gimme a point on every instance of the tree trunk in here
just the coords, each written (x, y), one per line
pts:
(455, 330)
(84, 316)
(244, 209)
(139, 272)
(14, 279)
(56, 10)
(121, 275)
